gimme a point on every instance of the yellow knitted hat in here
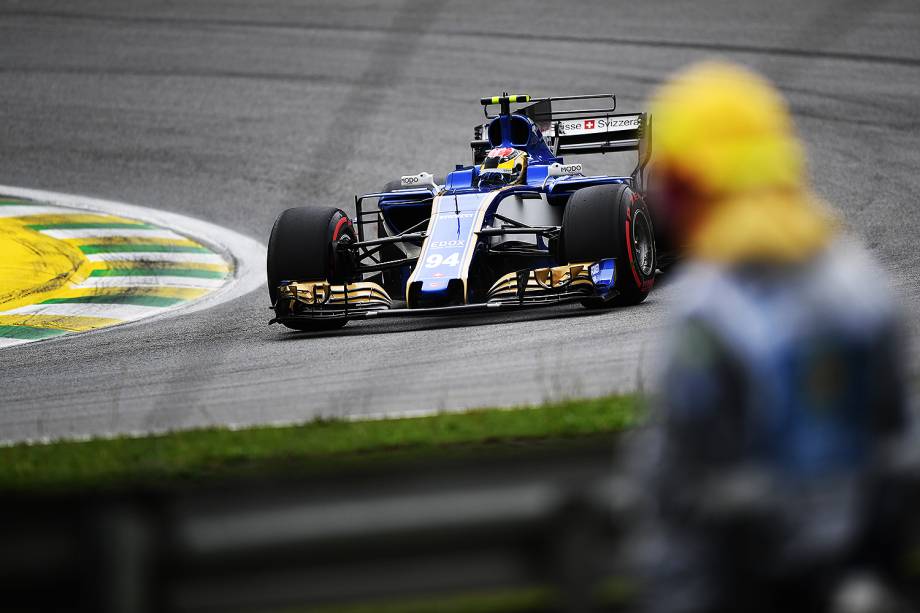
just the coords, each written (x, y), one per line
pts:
(730, 132)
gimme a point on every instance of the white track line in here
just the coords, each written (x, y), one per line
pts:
(127, 312)
(156, 256)
(109, 232)
(247, 253)
(10, 342)
(151, 281)
(26, 210)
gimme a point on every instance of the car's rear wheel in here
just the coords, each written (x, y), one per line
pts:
(304, 247)
(612, 221)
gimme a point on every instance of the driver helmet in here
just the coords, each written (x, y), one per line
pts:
(503, 166)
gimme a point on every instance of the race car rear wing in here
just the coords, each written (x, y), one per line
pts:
(596, 134)
(598, 128)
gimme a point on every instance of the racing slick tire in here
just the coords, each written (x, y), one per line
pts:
(302, 247)
(612, 221)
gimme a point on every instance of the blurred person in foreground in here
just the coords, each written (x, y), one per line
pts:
(782, 388)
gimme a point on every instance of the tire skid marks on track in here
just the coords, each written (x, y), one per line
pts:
(133, 270)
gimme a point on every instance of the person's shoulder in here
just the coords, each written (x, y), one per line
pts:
(848, 278)
(704, 290)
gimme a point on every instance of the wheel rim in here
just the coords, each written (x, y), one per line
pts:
(643, 248)
(346, 237)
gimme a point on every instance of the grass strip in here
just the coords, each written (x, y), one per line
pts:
(194, 455)
(522, 600)
(612, 594)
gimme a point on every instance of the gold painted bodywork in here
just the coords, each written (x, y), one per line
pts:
(321, 299)
(571, 279)
(309, 295)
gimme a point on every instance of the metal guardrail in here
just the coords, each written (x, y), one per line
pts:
(553, 521)
(305, 543)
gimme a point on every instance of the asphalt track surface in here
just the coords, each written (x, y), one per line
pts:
(233, 111)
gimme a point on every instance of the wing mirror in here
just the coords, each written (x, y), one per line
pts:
(563, 170)
(422, 179)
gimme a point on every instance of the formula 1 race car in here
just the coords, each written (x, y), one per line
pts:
(519, 228)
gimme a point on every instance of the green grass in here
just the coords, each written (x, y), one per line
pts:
(215, 453)
(611, 594)
(530, 600)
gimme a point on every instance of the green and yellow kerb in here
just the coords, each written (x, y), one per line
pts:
(65, 270)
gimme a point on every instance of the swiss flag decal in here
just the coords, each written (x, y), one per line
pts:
(589, 124)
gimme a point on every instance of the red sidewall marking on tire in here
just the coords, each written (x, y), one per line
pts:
(338, 228)
(629, 251)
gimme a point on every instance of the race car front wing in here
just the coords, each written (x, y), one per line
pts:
(304, 300)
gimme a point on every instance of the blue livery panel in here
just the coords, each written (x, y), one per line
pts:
(448, 248)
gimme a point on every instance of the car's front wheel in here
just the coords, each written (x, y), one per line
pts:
(612, 221)
(304, 247)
